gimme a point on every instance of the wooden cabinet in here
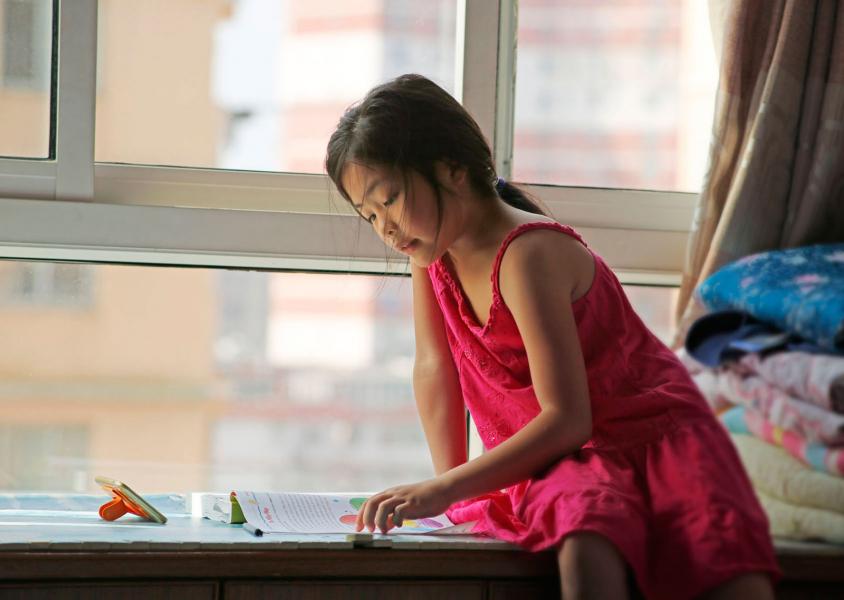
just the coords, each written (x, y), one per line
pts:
(511, 590)
(355, 590)
(298, 574)
(314, 574)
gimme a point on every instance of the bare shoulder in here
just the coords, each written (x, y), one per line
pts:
(549, 258)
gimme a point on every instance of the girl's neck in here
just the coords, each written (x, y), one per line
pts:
(484, 224)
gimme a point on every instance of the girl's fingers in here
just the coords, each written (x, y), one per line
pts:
(385, 509)
(399, 513)
(359, 519)
(370, 509)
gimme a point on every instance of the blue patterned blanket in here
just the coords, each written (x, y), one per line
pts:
(800, 290)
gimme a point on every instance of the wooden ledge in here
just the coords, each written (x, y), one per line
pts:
(813, 563)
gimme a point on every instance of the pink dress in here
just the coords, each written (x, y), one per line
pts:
(659, 478)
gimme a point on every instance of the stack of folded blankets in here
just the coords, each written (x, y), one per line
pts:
(769, 358)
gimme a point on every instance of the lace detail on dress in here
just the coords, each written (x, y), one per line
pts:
(484, 363)
(501, 419)
(466, 312)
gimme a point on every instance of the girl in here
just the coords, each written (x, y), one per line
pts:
(602, 445)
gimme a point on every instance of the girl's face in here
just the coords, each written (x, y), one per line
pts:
(405, 218)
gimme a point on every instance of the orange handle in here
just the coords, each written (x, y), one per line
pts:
(113, 509)
(119, 506)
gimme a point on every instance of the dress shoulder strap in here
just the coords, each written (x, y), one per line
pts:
(523, 228)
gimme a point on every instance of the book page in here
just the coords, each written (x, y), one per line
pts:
(319, 513)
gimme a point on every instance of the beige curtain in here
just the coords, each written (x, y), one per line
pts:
(776, 163)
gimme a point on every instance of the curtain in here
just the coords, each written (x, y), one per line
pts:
(775, 177)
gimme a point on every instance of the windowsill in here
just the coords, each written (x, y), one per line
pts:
(56, 528)
(152, 550)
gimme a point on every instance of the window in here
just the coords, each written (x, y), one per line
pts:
(25, 47)
(199, 379)
(205, 167)
(251, 84)
(614, 94)
(247, 134)
(191, 379)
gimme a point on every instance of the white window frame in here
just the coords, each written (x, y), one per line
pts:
(204, 217)
(70, 175)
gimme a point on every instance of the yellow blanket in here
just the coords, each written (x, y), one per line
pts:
(776, 473)
(802, 523)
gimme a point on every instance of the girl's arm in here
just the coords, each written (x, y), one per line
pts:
(538, 276)
(435, 383)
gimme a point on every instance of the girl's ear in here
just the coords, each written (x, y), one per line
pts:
(459, 173)
(451, 175)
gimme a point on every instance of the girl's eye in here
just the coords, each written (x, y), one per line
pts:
(390, 200)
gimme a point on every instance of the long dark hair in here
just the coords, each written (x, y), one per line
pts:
(408, 124)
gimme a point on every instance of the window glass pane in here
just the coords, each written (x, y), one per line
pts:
(614, 94)
(253, 84)
(25, 51)
(179, 380)
(655, 306)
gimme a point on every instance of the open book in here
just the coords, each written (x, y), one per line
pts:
(266, 512)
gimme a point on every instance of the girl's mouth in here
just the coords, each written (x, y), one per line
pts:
(407, 247)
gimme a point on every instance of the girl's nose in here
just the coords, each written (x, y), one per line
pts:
(388, 230)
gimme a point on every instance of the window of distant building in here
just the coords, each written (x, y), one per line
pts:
(26, 61)
(42, 456)
(26, 42)
(46, 284)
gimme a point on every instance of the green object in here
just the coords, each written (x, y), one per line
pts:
(237, 512)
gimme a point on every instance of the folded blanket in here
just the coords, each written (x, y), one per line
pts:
(815, 378)
(816, 456)
(690, 362)
(801, 523)
(812, 422)
(777, 474)
(800, 290)
(707, 383)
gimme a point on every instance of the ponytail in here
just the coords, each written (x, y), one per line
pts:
(518, 198)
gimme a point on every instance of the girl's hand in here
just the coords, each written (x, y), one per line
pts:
(414, 501)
